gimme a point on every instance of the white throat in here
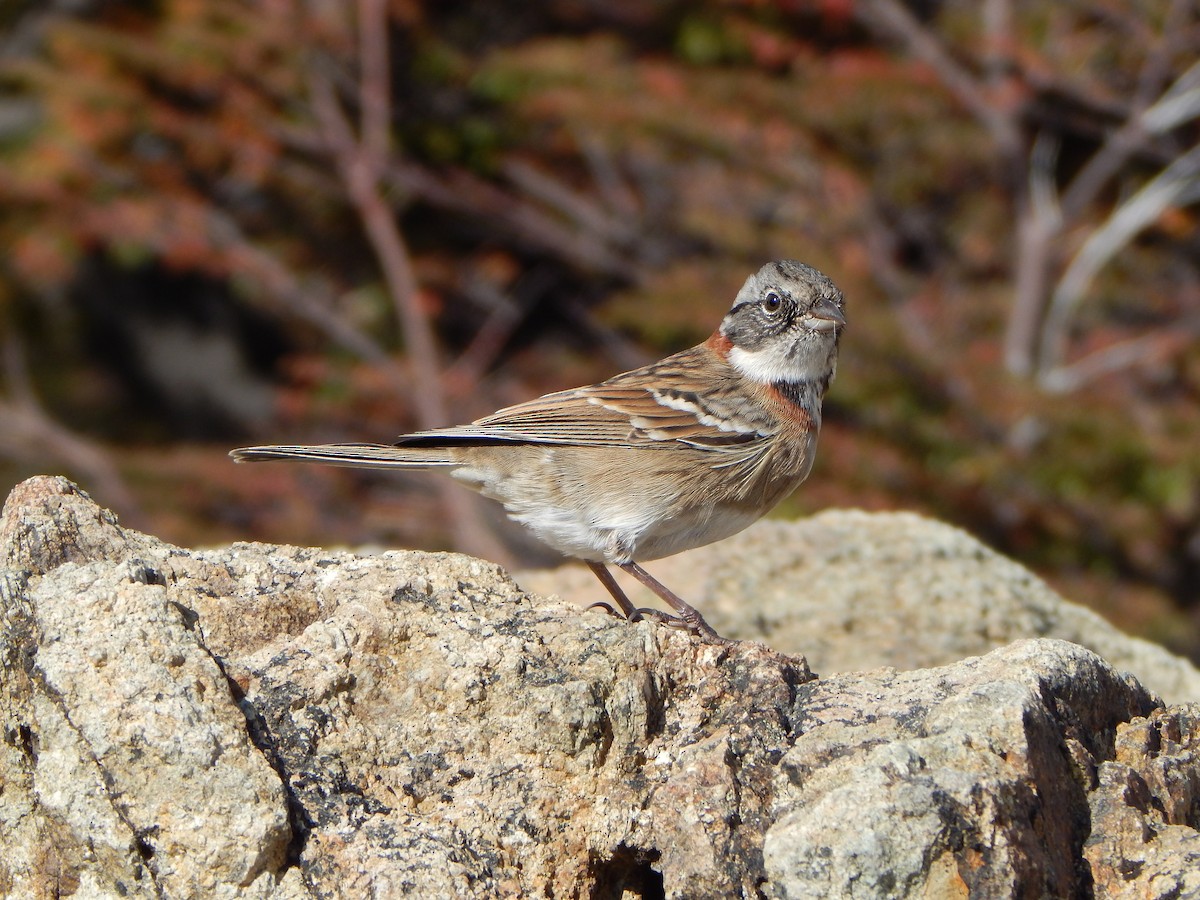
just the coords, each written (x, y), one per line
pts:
(784, 361)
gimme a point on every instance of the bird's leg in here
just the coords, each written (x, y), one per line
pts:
(606, 579)
(688, 615)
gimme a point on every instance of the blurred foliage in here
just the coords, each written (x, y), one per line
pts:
(582, 187)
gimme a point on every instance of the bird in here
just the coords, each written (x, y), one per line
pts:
(671, 456)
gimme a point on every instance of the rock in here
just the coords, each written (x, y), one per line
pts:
(968, 780)
(258, 721)
(1146, 809)
(128, 768)
(851, 590)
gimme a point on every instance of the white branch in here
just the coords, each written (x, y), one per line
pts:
(1178, 184)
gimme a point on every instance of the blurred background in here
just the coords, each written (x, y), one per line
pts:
(243, 221)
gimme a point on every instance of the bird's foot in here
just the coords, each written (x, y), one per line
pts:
(695, 624)
(660, 617)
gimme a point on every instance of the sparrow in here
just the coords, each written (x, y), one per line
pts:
(674, 455)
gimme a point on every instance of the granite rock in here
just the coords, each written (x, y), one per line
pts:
(265, 721)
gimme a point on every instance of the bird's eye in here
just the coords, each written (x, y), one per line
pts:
(772, 302)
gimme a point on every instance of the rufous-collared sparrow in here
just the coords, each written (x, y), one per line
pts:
(671, 456)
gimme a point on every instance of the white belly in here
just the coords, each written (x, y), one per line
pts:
(618, 535)
(618, 518)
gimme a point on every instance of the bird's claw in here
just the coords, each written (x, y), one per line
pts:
(698, 627)
(661, 617)
(608, 608)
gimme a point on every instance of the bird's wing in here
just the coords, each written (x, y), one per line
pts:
(683, 398)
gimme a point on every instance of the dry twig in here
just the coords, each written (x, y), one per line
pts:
(363, 163)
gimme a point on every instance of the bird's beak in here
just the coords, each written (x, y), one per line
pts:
(825, 316)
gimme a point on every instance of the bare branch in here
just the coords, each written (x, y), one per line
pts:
(894, 20)
(505, 314)
(1178, 104)
(374, 85)
(311, 304)
(1178, 184)
(618, 195)
(999, 43)
(1125, 355)
(580, 210)
(1043, 217)
(363, 166)
(463, 192)
(1157, 66)
(1038, 222)
(362, 185)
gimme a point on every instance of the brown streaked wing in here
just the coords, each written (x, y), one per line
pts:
(623, 412)
(694, 397)
(565, 418)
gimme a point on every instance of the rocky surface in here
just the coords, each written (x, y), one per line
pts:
(852, 590)
(260, 721)
(1145, 809)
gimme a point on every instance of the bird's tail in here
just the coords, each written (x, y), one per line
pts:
(367, 456)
